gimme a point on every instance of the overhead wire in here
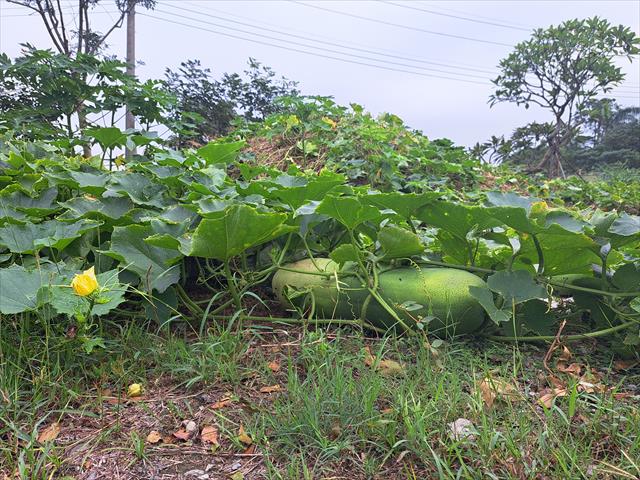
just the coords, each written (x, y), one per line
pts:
(344, 60)
(324, 49)
(400, 25)
(459, 17)
(327, 43)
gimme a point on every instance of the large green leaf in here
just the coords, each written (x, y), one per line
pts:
(515, 287)
(626, 225)
(397, 242)
(138, 187)
(315, 189)
(43, 204)
(349, 211)
(485, 298)
(29, 238)
(238, 229)
(154, 265)
(404, 204)
(215, 152)
(112, 208)
(19, 288)
(107, 137)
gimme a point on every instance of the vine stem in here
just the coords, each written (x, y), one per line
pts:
(304, 321)
(566, 338)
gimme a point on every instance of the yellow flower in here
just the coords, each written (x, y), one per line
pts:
(134, 390)
(85, 283)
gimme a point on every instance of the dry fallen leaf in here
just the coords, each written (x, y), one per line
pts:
(182, 434)
(625, 364)
(154, 437)
(50, 433)
(209, 434)
(369, 359)
(243, 436)
(492, 389)
(237, 476)
(573, 369)
(462, 429)
(274, 366)
(221, 403)
(548, 395)
(271, 389)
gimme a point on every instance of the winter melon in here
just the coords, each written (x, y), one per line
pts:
(438, 295)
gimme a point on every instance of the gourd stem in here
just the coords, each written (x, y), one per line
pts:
(566, 338)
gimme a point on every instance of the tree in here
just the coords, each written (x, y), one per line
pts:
(213, 104)
(84, 39)
(40, 94)
(561, 69)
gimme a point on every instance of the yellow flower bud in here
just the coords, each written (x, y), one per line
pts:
(134, 390)
(85, 283)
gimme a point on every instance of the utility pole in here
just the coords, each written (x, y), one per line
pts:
(130, 121)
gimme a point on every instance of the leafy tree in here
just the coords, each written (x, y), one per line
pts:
(43, 93)
(211, 105)
(84, 38)
(561, 69)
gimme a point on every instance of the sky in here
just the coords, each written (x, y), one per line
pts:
(428, 62)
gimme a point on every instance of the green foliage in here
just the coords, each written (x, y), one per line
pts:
(570, 65)
(208, 107)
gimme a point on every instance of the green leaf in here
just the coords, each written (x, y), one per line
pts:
(112, 208)
(515, 287)
(93, 183)
(485, 298)
(140, 188)
(349, 211)
(345, 253)
(397, 242)
(626, 225)
(30, 237)
(160, 307)
(43, 204)
(315, 189)
(510, 199)
(154, 265)
(19, 288)
(627, 278)
(107, 137)
(215, 152)
(404, 204)
(238, 229)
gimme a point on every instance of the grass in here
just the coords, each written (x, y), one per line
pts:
(336, 415)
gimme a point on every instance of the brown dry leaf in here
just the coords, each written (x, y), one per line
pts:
(154, 437)
(572, 369)
(271, 389)
(549, 394)
(50, 433)
(221, 403)
(250, 450)
(243, 436)
(369, 359)
(386, 411)
(182, 434)
(390, 367)
(492, 389)
(625, 364)
(209, 434)
(274, 366)
(566, 354)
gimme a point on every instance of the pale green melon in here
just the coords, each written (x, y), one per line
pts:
(443, 294)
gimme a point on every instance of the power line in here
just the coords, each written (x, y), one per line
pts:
(400, 25)
(323, 49)
(340, 45)
(462, 12)
(381, 67)
(459, 17)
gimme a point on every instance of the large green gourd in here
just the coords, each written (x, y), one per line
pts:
(443, 294)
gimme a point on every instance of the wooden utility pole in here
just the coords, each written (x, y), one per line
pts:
(130, 121)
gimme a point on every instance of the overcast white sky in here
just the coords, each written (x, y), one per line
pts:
(222, 34)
